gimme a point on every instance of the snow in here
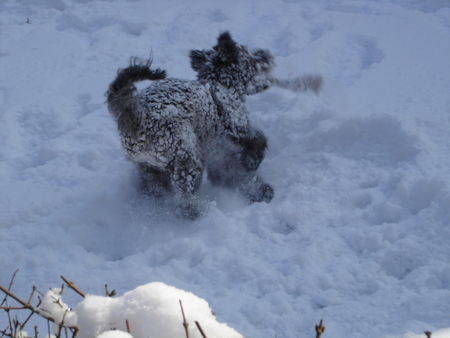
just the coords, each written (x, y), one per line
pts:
(357, 234)
(151, 310)
(443, 333)
(115, 334)
(52, 305)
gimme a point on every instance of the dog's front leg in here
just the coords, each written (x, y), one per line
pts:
(255, 189)
(252, 149)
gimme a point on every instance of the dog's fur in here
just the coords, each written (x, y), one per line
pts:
(175, 129)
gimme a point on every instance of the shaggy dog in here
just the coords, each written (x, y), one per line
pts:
(176, 129)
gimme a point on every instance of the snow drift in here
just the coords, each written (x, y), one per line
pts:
(151, 310)
(357, 234)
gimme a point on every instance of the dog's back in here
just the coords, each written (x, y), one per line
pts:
(181, 100)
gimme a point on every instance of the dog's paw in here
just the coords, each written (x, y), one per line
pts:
(262, 192)
(265, 193)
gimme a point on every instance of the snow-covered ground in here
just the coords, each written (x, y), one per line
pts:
(358, 232)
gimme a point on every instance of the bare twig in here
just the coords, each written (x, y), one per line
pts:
(33, 290)
(127, 323)
(108, 293)
(73, 287)
(200, 329)
(26, 320)
(74, 331)
(4, 301)
(320, 329)
(17, 299)
(185, 323)
(61, 325)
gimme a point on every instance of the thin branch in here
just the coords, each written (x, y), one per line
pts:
(26, 305)
(74, 331)
(8, 314)
(108, 293)
(4, 301)
(33, 290)
(31, 313)
(127, 323)
(320, 329)
(26, 320)
(6, 334)
(17, 299)
(185, 323)
(61, 325)
(73, 287)
(200, 329)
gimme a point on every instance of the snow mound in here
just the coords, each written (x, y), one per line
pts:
(152, 310)
(442, 333)
(115, 334)
(53, 306)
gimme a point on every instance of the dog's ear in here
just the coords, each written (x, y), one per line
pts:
(226, 49)
(198, 60)
(264, 56)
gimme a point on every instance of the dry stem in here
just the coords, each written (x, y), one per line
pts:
(109, 293)
(200, 329)
(320, 329)
(185, 323)
(73, 287)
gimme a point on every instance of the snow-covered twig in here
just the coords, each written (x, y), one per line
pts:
(28, 306)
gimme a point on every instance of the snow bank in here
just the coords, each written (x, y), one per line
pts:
(442, 333)
(152, 310)
(357, 233)
(115, 334)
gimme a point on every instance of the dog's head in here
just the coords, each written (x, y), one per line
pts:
(234, 66)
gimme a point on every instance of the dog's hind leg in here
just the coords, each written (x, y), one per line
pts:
(186, 170)
(154, 181)
(186, 179)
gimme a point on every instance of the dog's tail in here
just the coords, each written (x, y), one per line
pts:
(120, 96)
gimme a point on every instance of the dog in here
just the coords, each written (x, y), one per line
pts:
(175, 130)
